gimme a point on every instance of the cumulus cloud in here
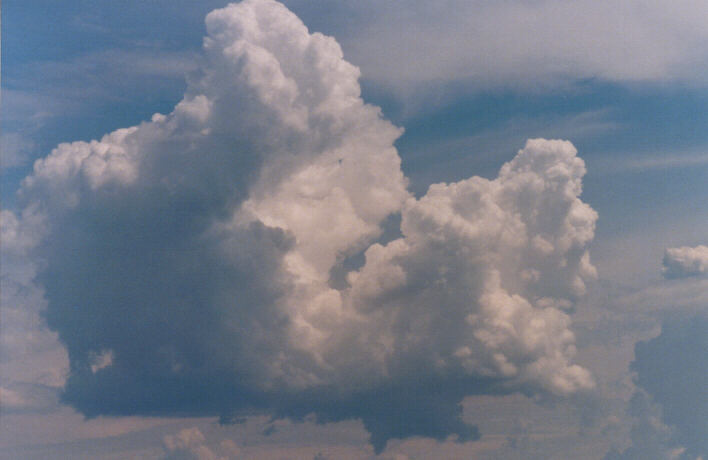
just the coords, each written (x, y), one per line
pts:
(189, 261)
(685, 261)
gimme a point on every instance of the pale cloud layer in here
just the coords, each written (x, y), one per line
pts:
(530, 44)
(197, 251)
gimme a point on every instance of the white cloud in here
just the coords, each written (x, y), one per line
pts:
(186, 444)
(101, 360)
(664, 161)
(190, 444)
(483, 271)
(198, 247)
(11, 399)
(33, 364)
(685, 261)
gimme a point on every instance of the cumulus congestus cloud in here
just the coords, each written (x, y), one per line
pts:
(196, 250)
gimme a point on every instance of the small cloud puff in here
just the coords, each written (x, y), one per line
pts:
(685, 262)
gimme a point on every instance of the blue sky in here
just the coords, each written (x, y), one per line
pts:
(469, 83)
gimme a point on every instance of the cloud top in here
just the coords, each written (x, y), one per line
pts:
(188, 261)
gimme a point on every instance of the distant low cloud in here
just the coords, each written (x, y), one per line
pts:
(685, 261)
(190, 444)
(189, 262)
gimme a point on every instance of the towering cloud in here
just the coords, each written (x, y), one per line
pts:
(189, 262)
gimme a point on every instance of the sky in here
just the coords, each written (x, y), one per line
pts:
(328, 229)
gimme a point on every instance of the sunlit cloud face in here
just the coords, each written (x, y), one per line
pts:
(188, 261)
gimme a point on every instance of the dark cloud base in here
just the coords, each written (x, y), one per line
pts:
(148, 301)
(428, 409)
